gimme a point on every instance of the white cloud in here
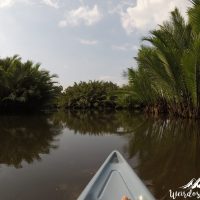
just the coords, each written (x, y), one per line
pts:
(6, 3)
(88, 42)
(52, 3)
(83, 15)
(146, 14)
(125, 47)
(9, 3)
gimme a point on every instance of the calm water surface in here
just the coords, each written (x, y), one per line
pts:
(53, 157)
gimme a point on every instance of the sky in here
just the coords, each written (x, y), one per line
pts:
(81, 40)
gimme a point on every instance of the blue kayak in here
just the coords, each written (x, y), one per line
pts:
(115, 179)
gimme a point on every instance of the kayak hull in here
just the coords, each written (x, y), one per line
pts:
(114, 179)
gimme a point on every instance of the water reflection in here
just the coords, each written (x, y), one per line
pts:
(95, 122)
(168, 152)
(164, 152)
(25, 138)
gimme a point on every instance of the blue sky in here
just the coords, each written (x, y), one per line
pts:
(81, 39)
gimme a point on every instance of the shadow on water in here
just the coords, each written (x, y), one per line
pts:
(25, 138)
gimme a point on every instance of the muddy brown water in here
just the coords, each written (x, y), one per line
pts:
(53, 157)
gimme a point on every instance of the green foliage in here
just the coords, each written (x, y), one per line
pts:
(23, 86)
(91, 95)
(194, 15)
(168, 75)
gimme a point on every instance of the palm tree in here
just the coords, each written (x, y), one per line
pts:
(194, 19)
(90, 95)
(171, 42)
(170, 66)
(24, 86)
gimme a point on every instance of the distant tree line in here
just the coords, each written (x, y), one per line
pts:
(90, 95)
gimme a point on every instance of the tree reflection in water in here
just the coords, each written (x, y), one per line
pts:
(24, 138)
(166, 149)
(163, 151)
(88, 122)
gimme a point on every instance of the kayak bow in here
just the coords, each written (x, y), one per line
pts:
(114, 179)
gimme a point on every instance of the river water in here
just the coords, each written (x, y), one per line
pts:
(53, 157)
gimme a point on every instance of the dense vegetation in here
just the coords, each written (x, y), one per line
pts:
(24, 87)
(167, 78)
(90, 95)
